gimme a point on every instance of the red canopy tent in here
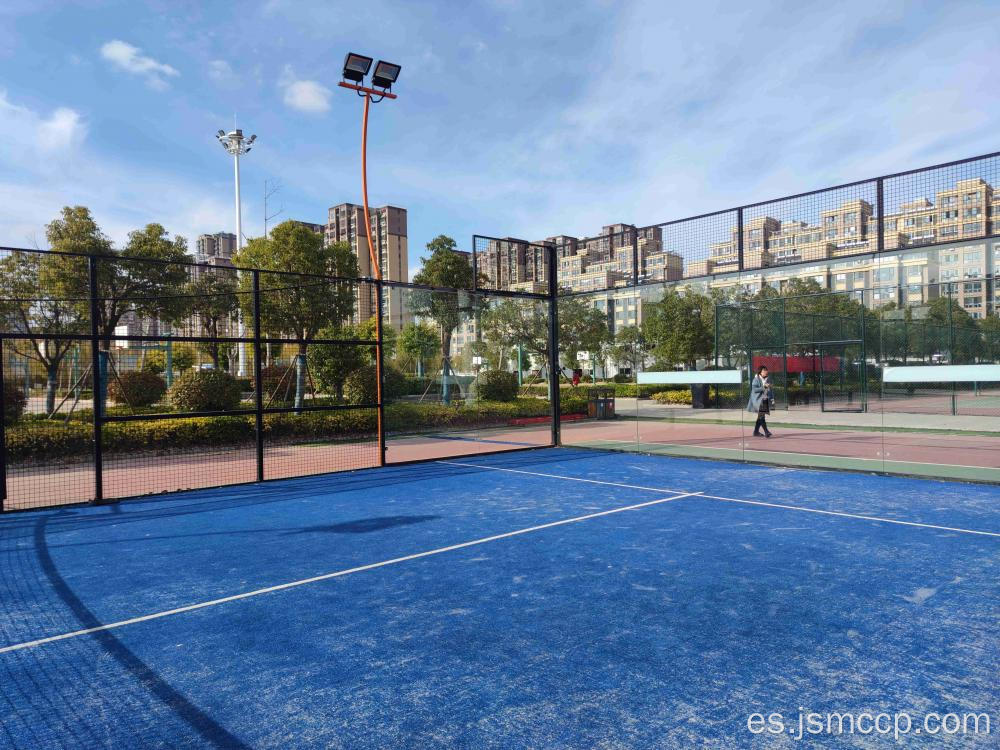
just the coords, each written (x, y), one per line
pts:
(797, 363)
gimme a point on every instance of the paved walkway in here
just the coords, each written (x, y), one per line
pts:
(875, 418)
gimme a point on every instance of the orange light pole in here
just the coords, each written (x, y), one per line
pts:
(367, 94)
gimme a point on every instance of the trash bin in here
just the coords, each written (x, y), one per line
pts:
(601, 403)
(699, 396)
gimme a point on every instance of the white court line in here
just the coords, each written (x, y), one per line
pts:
(747, 502)
(336, 574)
(559, 476)
(849, 515)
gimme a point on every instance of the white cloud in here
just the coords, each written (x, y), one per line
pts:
(45, 164)
(31, 134)
(62, 130)
(221, 72)
(311, 97)
(130, 59)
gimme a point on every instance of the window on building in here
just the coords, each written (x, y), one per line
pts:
(885, 274)
(973, 256)
(851, 217)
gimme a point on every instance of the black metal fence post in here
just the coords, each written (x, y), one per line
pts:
(381, 372)
(554, 345)
(739, 239)
(880, 220)
(258, 379)
(96, 385)
(3, 434)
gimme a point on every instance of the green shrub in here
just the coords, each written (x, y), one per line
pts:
(154, 362)
(205, 390)
(137, 388)
(497, 385)
(14, 401)
(360, 388)
(245, 384)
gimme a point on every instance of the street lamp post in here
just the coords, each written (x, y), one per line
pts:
(235, 144)
(356, 67)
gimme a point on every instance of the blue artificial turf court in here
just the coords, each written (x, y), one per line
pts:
(544, 599)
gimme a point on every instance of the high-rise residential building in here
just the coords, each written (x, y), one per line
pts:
(515, 264)
(317, 228)
(346, 223)
(609, 259)
(216, 249)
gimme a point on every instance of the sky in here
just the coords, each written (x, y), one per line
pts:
(514, 118)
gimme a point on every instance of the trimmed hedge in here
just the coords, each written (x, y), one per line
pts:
(622, 390)
(56, 440)
(205, 390)
(137, 388)
(674, 398)
(498, 385)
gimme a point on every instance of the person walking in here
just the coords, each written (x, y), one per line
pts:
(761, 397)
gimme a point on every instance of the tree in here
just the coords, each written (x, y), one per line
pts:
(990, 326)
(449, 309)
(954, 330)
(39, 318)
(143, 278)
(214, 300)
(677, 328)
(419, 341)
(332, 364)
(366, 332)
(525, 323)
(630, 348)
(299, 306)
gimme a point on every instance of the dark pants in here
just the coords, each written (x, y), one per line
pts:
(761, 422)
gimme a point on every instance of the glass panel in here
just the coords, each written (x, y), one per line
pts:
(48, 422)
(473, 371)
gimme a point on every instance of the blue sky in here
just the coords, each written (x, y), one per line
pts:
(515, 118)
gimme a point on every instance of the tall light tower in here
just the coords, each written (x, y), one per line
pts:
(234, 143)
(356, 67)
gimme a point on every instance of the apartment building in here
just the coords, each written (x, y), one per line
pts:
(346, 223)
(215, 249)
(610, 259)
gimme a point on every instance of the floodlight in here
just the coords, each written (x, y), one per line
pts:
(385, 74)
(252, 139)
(221, 134)
(356, 67)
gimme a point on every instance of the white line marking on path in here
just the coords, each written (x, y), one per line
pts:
(336, 574)
(746, 502)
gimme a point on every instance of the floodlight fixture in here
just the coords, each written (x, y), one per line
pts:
(385, 74)
(356, 67)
